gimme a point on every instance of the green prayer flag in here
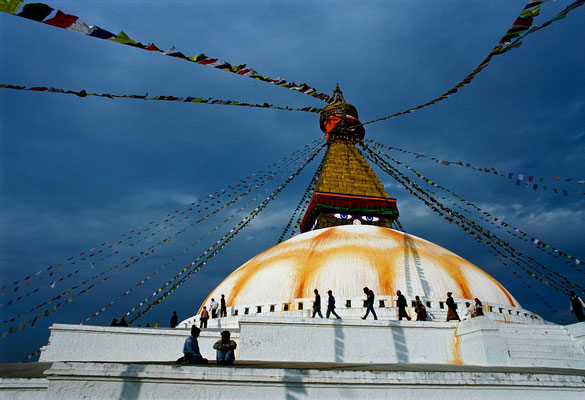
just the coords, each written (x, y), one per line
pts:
(10, 6)
(532, 12)
(122, 38)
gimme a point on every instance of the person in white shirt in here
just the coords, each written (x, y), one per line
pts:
(470, 311)
(214, 306)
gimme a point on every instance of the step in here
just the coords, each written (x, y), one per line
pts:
(528, 331)
(543, 343)
(543, 355)
(519, 362)
(564, 349)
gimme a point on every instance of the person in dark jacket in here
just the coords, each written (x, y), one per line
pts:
(222, 307)
(225, 349)
(317, 304)
(577, 306)
(369, 303)
(421, 310)
(331, 305)
(478, 307)
(174, 320)
(191, 352)
(401, 304)
(451, 308)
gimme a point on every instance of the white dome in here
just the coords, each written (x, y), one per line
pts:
(347, 258)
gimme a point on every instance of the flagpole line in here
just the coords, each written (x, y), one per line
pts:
(40, 12)
(537, 242)
(188, 99)
(120, 268)
(280, 165)
(463, 221)
(219, 244)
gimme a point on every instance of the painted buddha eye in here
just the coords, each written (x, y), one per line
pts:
(368, 218)
(342, 216)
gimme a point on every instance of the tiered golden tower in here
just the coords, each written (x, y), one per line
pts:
(347, 190)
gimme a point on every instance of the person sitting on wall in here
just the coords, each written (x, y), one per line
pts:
(225, 349)
(114, 322)
(122, 322)
(191, 353)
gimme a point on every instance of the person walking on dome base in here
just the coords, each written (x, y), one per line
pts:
(470, 311)
(204, 317)
(451, 308)
(421, 310)
(174, 320)
(225, 349)
(317, 304)
(191, 353)
(369, 303)
(401, 304)
(577, 306)
(213, 307)
(331, 305)
(478, 307)
(222, 307)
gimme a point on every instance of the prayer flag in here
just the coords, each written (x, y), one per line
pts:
(62, 20)
(98, 32)
(35, 11)
(152, 47)
(80, 27)
(123, 38)
(10, 6)
(530, 12)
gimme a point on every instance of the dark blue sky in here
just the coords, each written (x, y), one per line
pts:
(76, 172)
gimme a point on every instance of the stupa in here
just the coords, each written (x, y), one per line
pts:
(347, 243)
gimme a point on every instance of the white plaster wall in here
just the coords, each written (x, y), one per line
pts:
(577, 332)
(481, 343)
(349, 341)
(123, 381)
(98, 343)
(23, 388)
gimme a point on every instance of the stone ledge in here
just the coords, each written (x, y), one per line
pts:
(324, 373)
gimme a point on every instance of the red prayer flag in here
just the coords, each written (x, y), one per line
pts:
(152, 47)
(62, 20)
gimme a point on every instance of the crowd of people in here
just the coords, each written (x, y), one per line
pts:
(472, 310)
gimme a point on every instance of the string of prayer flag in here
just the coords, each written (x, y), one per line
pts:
(188, 99)
(569, 259)
(41, 12)
(528, 180)
(258, 179)
(477, 231)
(510, 40)
(301, 207)
(163, 266)
(136, 258)
(215, 249)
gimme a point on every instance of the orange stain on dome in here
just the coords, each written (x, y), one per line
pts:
(315, 258)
